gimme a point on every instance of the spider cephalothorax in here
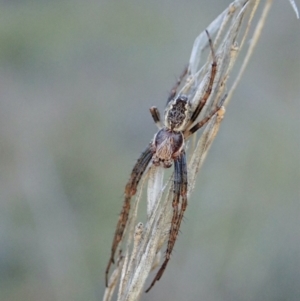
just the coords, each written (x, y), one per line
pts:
(166, 148)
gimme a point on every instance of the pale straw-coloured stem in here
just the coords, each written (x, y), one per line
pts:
(229, 32)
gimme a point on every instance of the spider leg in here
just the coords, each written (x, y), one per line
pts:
(175, 87)
(180, 189)
(201, 123)
(130, 190)
(156, 116)
(207, 93)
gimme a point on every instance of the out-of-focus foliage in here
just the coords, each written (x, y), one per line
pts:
(77, 79)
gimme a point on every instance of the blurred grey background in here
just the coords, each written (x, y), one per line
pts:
(76, 81)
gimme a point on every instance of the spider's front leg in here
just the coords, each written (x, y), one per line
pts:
(130, 190)
(179, 190)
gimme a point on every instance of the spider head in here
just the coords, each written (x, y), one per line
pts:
(176, 113)
(166, 147)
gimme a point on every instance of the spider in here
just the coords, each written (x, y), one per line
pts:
(167, 147)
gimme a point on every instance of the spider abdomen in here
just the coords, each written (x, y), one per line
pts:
(177, 113)
(166, 147)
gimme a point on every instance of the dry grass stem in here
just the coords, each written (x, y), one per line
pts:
(229, 31)
(294, 6)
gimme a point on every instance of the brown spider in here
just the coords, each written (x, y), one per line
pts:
(167, 147)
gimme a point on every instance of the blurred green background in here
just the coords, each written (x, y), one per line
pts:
(77, 79)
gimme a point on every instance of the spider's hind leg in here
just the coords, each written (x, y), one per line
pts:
(209, 86)
(201, 123)
(156, 116)
(175, 87)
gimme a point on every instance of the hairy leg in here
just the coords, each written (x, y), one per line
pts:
(156, 116)
(179, 190)
(201, 123)
(208, 90)
(130, 190)
(175, 87)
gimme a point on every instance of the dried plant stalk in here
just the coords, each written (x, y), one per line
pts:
(144, 242)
